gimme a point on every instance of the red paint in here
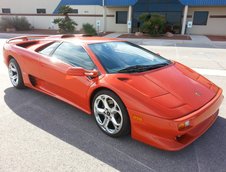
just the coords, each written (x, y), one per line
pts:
(157, 101)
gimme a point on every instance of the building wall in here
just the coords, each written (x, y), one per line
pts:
(171, 9)
(216, 23)
(95, 12)
(29, 6)
(111, 21)
(86, 14)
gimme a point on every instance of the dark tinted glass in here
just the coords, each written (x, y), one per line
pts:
(41, 11)
(6, 10)
(200, 17)
(74, 55)
(49, 49)
(121, 17)
(75, 11)
(115, 56)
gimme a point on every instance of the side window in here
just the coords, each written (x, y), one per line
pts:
(41, 11)
(200, 17)
(6, 10)
(75, 11)
(121, 17)
(49, 48)
(74, 55)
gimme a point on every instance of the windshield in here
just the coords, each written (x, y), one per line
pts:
(125, 57)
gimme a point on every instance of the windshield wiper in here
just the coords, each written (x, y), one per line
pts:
(141, 68)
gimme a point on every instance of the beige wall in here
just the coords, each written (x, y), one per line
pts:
(215, 26)
(111, 21)
(29, 6)
(98, 10)
(87, 14)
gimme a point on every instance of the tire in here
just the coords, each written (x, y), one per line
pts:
(110, 114)
(15, 74)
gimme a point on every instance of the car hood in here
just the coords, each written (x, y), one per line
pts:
(175, 89)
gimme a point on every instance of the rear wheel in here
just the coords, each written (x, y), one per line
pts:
(110, 114)
(15, 74)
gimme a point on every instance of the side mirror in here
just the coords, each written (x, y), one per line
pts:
(79, 71)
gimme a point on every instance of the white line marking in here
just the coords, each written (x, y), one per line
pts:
(211, 72)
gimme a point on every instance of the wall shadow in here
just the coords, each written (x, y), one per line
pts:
(76, 128)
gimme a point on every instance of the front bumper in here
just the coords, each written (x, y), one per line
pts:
(164, 134)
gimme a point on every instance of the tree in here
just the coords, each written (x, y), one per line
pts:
(152, 23)
(66, 24)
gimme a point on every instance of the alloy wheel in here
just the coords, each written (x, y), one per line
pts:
(13, 74)
(108, 114)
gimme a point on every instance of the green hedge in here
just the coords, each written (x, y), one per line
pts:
(89, 29)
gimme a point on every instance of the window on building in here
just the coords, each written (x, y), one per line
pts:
(200, 17)
(41, 11)
(121, 17)
(74, 55)
(6, 10)
(75, 11)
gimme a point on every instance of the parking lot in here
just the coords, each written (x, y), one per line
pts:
(41, 133)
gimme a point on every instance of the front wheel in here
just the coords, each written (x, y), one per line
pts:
(15, 74)
(110, 114)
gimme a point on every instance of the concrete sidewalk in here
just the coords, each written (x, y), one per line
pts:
(11, 35)
(114, 35)
(197, 41)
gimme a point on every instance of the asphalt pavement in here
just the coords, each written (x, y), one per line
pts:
(41, 133)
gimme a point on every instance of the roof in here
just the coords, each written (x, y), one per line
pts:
(99, 2)
(96, 2)
(133, 2)
(203, 2)
(120, 2)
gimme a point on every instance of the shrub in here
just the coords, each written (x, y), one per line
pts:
(153, 24)
(19, 23)
(6, 22)
(89, 29)
(66, 24)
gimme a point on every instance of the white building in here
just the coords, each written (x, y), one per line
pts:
(206, 16)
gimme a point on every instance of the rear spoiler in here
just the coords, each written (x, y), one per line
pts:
(28, 38)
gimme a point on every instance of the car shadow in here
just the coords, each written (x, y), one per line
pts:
(78, 129)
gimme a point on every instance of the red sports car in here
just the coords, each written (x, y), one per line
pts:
(127, 88)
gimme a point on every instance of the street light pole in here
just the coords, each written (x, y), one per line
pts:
(184, 20)
(104, 16)
(129, 20)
